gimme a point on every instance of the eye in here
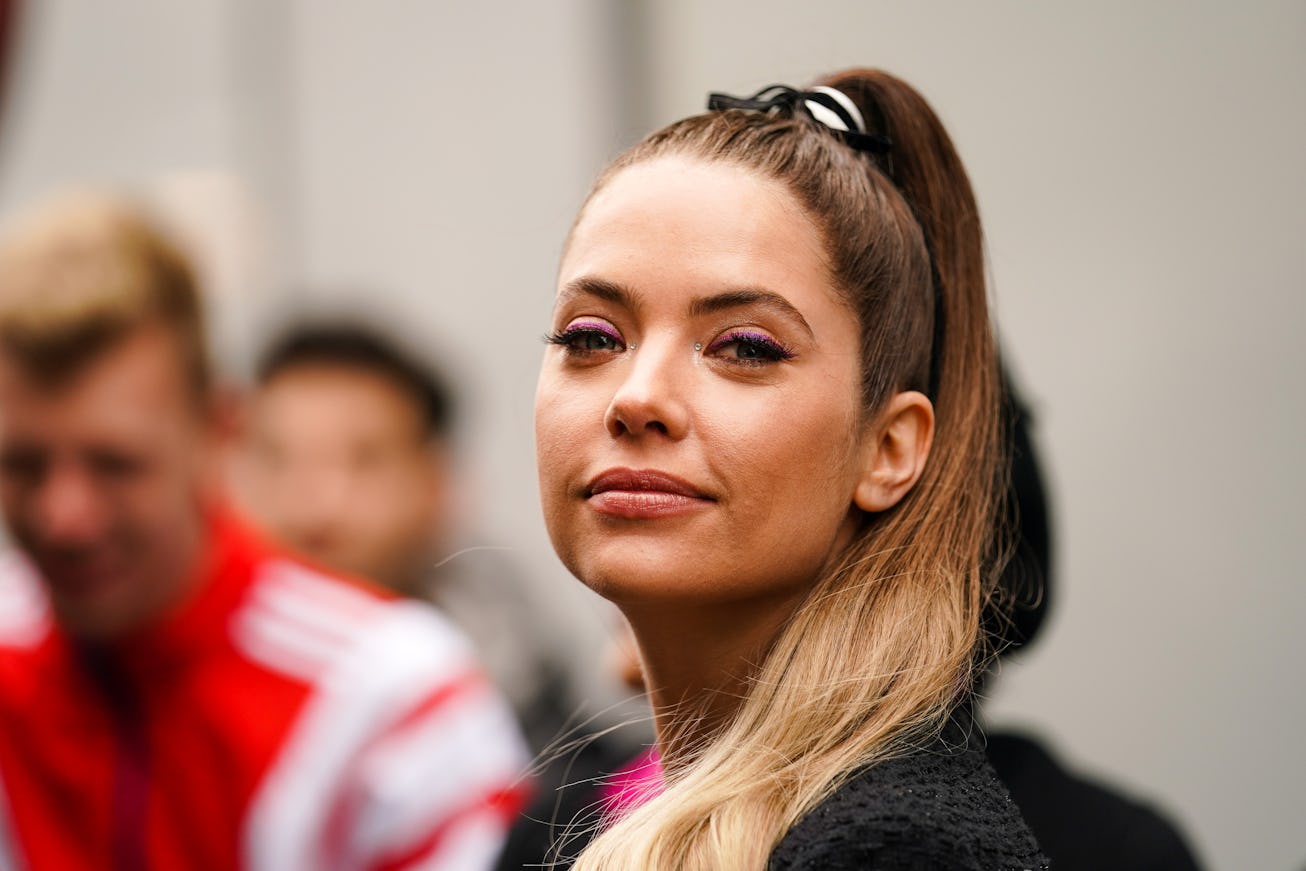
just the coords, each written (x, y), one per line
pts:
(749, 348)
(116, 465)
(23, 464)
(587, 337)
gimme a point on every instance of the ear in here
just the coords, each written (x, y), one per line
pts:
(227, 413)
(897, 443)
(222, 425)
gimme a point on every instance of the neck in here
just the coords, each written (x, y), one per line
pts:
(698, 661)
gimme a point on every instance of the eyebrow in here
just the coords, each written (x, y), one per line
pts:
(718, 302)
(588, 285)
(749, 296)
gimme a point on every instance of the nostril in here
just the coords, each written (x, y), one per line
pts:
(647, 404)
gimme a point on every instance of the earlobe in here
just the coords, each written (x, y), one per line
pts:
(226, 412)
(893, 456)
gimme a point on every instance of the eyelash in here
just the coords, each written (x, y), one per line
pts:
(570, 338)
(766, 349)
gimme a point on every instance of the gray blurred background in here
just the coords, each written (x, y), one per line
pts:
(1140, 171)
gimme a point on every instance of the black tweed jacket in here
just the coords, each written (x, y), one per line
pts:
(937, 808)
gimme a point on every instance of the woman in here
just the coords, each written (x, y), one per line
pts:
(768, 430)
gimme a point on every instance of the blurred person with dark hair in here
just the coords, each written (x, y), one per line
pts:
(175, 693)
(349, 452)
(349, 457)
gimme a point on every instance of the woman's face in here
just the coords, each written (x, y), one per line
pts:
(697, 425)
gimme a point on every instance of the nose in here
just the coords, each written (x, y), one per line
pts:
(68, 508)
(310, 505)
(652, 397)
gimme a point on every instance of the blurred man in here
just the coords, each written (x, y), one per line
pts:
(348, 458)
(174, 693)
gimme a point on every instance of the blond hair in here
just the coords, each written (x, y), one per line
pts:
(888, 640)
(82, 271)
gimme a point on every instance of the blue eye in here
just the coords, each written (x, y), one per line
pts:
(587, 338)
(749, 348)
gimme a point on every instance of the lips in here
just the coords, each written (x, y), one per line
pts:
(640, 494)
(78, 575)
(645, 481)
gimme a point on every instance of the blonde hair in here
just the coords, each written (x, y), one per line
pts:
(82, 271)
(888, 640)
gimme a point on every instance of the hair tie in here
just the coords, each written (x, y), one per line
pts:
(849, 120)
(829, 107)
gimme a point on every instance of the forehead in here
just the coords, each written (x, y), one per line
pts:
(329, 402)
(135, 385)
(697, 222)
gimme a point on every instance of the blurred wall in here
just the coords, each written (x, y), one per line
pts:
(1138, 167)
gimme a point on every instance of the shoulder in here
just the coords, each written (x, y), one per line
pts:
(380, 671)
(1081, 822)
(938, 808)
(25, 627)
(24, 611)
(304, 624)
(403, 740)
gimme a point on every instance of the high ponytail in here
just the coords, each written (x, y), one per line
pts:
(888, 640)
(964, 382)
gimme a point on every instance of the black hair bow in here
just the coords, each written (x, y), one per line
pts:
(775, 97)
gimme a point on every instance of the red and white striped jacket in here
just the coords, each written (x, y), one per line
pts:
(281, 720)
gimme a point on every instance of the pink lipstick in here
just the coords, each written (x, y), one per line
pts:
(644, 494)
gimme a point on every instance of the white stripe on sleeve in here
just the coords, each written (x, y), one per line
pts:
(403, 653)
(419, 779)
(24, 608)
(474, 843)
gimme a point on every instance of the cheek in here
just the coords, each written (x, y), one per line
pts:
(12, 500)
(178, 486)
(792, 464)
(404, 509)
(564, 420)
(155, 498)
(794, 433)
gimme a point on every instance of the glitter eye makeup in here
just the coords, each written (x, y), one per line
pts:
(584, 337)
(749, 347)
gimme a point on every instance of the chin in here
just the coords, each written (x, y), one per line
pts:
(668, 583)
(620, 574)
(93, 623)
(108, 607)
